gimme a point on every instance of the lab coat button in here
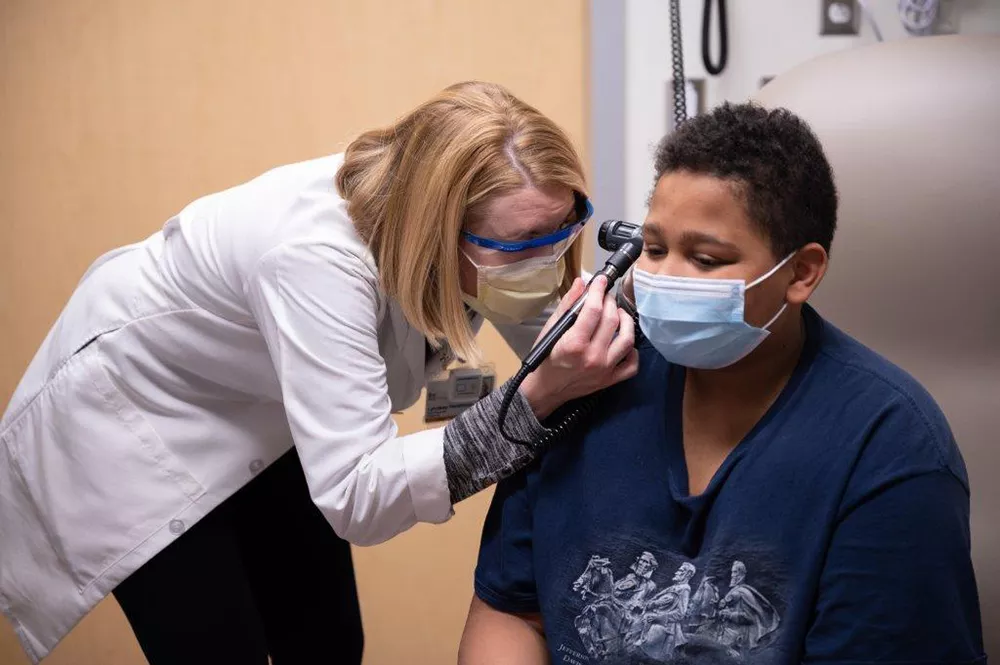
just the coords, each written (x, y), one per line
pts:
(176, 527)
(256, 466)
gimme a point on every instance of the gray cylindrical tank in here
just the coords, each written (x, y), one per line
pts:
(912, 129)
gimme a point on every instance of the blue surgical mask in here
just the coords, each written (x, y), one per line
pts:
(696, 322)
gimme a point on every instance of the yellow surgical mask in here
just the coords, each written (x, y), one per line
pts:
(518, 291)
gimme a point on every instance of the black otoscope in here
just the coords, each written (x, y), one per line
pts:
(615, 236)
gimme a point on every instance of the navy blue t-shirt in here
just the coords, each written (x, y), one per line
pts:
(837, 531)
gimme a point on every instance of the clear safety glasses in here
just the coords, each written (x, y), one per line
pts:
(555, 243)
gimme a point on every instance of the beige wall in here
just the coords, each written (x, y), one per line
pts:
(115, 114)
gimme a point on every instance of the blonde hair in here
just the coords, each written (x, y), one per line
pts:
(411, 187)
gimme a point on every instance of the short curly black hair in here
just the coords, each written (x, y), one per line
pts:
(775, 160)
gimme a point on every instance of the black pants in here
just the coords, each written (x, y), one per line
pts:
(262, 574)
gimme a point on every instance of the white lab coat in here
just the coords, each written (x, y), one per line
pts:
(185, 364)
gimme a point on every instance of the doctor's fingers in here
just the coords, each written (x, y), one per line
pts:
(606, 329)
(627, 368)
(624, 341)
(591, 314)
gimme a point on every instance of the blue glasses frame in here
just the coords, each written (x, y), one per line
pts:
(584, 211)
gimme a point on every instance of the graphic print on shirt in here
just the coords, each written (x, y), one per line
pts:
(649, 616)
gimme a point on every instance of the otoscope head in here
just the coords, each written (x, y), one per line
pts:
(614, 232)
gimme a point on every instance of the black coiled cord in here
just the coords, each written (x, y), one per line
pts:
(570, 417)
(677, 59)
(706, 20)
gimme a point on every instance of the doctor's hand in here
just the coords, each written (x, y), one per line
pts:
(597, 352)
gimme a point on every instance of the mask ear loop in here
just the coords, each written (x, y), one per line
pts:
(775, 317)
(762, 278)
(469, 258)
(770, 272)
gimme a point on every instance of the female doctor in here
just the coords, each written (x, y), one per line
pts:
(214, 399)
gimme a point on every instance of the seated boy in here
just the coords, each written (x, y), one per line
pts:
(767, 489)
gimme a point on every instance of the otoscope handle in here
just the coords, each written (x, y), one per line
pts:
(545, 345)
(617, 265)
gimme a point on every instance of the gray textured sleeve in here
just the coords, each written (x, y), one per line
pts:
(476, 454)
